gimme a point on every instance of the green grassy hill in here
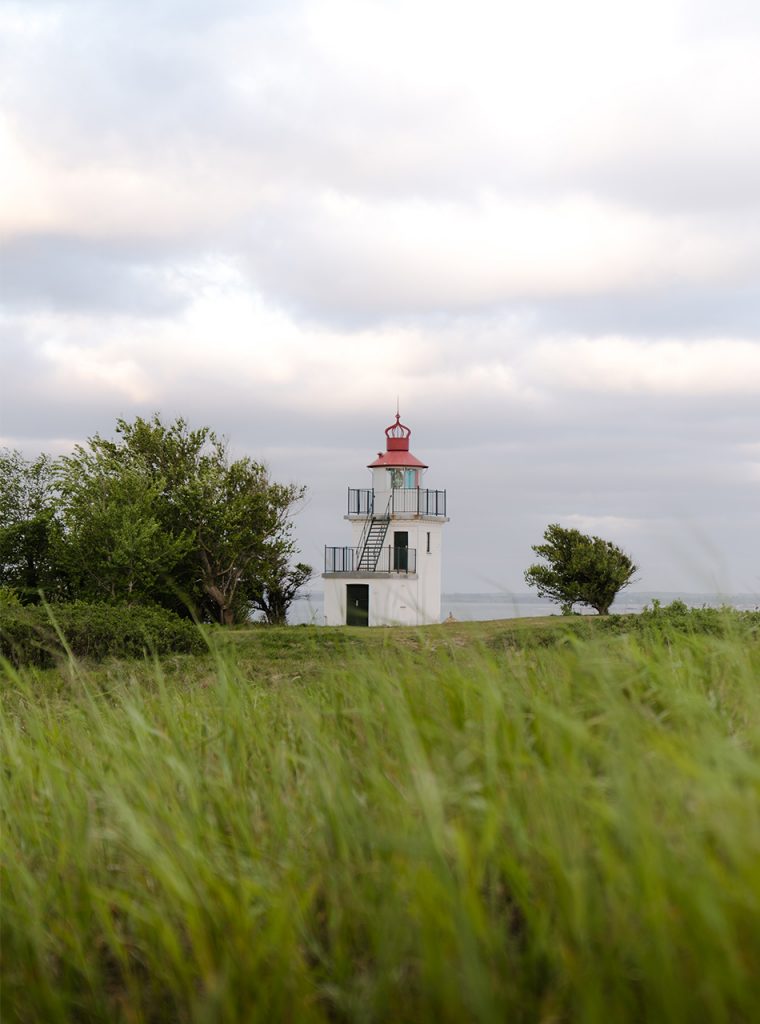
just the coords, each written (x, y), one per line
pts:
(533, 820)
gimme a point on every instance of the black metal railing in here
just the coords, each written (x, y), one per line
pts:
(418, 501)
(361, 501)
(434, 504)
(389, 559)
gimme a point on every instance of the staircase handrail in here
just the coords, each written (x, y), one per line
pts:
(368, 526)
(365, 533)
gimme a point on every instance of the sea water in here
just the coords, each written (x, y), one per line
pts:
(309, 608)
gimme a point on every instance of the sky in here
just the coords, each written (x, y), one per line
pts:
(535, 225)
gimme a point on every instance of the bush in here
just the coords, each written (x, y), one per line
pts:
(667, 621)
(30, 635)
(8, 598)
(657, 623)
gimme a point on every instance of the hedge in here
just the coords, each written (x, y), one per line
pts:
(29, 635)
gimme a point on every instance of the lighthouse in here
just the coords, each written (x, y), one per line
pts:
(391, 573)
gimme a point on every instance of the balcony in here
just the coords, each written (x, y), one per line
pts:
(404, 501)
(361, 501)
(389, 560)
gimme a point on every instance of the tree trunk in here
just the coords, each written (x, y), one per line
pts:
(226, 614)
(220, 599)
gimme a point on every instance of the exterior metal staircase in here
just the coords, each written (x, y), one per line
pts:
(372, 540)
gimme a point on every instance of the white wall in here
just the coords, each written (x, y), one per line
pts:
(335, 601)
(393, 601)
(398, 599)
(412, 599)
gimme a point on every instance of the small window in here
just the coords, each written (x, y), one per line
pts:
(410, 478)
(428, 542)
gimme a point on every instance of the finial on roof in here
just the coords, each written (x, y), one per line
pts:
(398, 431)
(397, 447)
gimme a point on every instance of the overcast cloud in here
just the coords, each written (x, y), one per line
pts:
(537, 224)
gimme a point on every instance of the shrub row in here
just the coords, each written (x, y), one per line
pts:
(656, 623)
(678, 618)
(31, 635)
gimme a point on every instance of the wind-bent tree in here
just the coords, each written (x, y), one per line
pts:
(162, 512)
(30, 533)
(579, 569)
(275, 589)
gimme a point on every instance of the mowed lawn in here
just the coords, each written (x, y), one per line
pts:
(535, 820)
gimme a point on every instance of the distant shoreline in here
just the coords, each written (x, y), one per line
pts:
(628, 596)
(308, 608)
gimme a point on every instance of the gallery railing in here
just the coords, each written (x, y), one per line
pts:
(361, 501)
(418, 501)
(390, 559)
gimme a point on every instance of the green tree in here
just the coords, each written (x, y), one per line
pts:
(242, 529)
(192, 526)
(116, 548)
(30, 532)
(275, 589)
(579, 569)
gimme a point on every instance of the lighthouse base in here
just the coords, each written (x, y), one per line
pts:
(365, 599)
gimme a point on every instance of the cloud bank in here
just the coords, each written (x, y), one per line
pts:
(535, 224)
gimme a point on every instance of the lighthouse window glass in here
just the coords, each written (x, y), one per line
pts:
(410, 479)
(397, 479)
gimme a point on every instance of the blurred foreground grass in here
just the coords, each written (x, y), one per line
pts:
(522, 821)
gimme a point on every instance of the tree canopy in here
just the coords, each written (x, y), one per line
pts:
(579, 569)
(30, 539)
(158, 514)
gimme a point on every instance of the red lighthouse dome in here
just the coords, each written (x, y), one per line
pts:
(397, 448)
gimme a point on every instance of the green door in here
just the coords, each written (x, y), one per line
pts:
(357, 604)
(401, 551)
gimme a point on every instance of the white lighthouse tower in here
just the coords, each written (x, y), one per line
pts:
(391, 573)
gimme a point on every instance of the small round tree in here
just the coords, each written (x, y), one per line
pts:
(579, 569)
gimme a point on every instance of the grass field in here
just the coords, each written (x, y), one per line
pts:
(481, 822)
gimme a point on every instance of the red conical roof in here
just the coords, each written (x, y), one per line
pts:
(397, 448)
